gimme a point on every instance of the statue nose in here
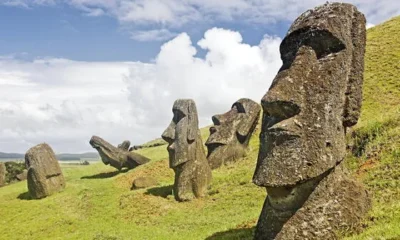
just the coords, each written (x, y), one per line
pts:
(212, 130)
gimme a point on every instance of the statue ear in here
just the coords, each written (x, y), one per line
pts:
(252, 116)
(192, 120)
(353, 101)
(244, 128)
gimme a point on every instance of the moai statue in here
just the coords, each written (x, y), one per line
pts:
(186, 153)
(117, 157)
(44, 173)
(230, 135)
(315, 96)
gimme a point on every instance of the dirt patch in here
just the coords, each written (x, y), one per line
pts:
(248, 224)
(365, 167)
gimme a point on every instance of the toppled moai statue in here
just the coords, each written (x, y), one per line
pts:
(230, 135)
(186, 153)
(3, 173)
(44, 173)
(315, 96)
(117, 157)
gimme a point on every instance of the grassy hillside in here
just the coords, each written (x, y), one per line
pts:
(98, 203)
(375, 157)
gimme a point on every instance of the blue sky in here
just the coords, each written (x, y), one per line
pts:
(64, 31)
(70, 69)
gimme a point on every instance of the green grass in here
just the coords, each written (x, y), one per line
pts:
(376, 139)
(98, 203)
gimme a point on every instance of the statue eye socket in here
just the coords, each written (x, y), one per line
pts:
(178, 115)
(239, 107)
(322, 42)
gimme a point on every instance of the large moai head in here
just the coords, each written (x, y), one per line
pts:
(44, 173)
(314, 97)
(231, 132)
(183, 133)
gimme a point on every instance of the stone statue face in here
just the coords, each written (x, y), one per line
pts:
(315, 95)
(182, 131)
(232, 130)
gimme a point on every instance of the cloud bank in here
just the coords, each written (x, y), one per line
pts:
(161, 17)
(65, 102)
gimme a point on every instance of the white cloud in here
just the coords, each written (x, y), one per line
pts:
(26, 3)
(65, 102)
(152, 35)
(174, 13)
(162, 17)
(370, 25)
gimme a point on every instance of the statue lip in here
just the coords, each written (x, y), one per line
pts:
(216, 139)
(215, 142)
(212, 146)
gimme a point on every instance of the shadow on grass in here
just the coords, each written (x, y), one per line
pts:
(105, 175)
(163, 191)
(24, 196)
(234, 234)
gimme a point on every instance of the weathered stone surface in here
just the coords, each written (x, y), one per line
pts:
(144, 182)
(230, 135)
(186, 153)
(316, 94)
(337, 202)
(3, 173)
(44, 172)
(124, 145)
(115, 156)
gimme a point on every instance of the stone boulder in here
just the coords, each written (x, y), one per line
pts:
(44, 173)
(144, 182)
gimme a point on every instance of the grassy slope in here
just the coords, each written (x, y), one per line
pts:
(97, 203)
(377, 136)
